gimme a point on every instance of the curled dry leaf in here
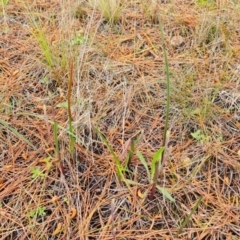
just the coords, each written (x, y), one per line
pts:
(140, 194)
(73, 213)
(158, 216)
(226, 180)
(24, 156)
(129, 199)
(58, 229)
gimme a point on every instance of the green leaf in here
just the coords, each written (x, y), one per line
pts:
(132, 150)
(166, 193)
(183, 224)
(63, 105)
(197, 135)
(5, 2)
(144, 163)
(156, 158)
(78, 40)
(48, 162)
(119, 166)
(37, 172)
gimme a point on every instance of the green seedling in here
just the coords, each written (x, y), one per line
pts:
(48, 163)
(55, 132)
(37, 173)
(70, 119)
(185, 222)
(200, 137)
(67, 105)
(38, 212)
(78, 40)
(157, 170)
(120, 168)
(132, 150)
(65, 199)
(45, 80)
(151, 173)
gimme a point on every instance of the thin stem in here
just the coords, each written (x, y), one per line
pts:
(70, 83)
(156, 174)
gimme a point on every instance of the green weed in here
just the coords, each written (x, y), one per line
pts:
(166, 131)
(155, 163)
(38, 33)
(199, 136)
(120, 169)
(37, 173)
(185, 222)
(55, 132)
(38, 212)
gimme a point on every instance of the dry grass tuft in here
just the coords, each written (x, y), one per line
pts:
(119, 87)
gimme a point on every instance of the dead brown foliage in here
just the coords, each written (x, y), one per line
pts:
(119, 87)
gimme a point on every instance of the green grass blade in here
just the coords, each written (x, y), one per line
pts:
(72, 138)
(16, 133)
(132, 150)
(55, 131)
(155, 162)
(116, 159)
(166, 193)
(190, 215)
(144, 163)
(168, 82)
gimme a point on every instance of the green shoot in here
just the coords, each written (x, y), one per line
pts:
(199, 136)
(132, 150)
(166, 133)
(190, 215)
(155, 161)
(144, 163)
(38, 212)
(120, 168)
(70, 83)
(39, 35)
(37, 172)
(55, 131)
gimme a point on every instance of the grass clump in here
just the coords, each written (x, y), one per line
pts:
(110, 9)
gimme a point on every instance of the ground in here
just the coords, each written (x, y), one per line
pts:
(83, 113)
